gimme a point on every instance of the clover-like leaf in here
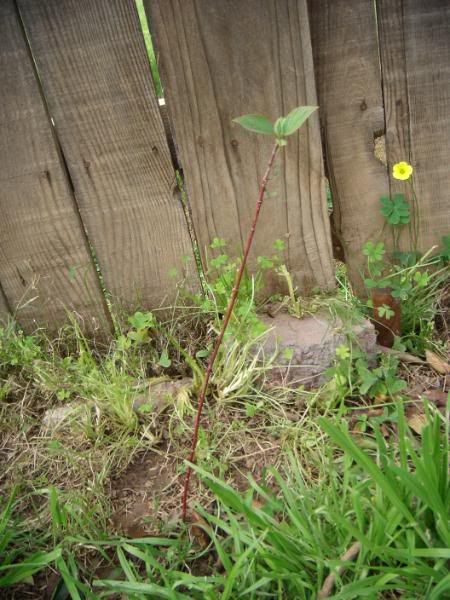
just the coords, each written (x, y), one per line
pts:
(265, 262)
(279, 245)
(395, 210)
(374, 251)
(385, 311)
(343, 352)
(421, 279)
(142, 320)
(164, 360)
(218, 243)
(256, 123)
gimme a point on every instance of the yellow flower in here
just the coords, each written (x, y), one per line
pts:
(402, 170)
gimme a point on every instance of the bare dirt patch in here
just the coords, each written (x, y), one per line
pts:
(145, 493)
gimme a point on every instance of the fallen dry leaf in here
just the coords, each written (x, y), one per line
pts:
(437, 363)
(438, 397)
(380, 399)
(197, 531)
(384, 430)
(417, 422)
(403, 356)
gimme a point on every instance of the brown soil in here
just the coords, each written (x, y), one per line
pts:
(140, 494)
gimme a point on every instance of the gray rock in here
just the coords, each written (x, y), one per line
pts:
(306, 347)
(55, 417)
(160, 395)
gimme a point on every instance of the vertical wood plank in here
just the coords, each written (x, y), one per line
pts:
(344, 40)
(415, 60)
(95, 73)
(220, 60)
(41, 238)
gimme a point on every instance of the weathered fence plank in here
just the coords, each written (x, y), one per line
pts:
(95, 74)
(220, 60)
(415, 62)
(346, 60)
(41, 238)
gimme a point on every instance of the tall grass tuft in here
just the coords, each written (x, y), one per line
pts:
(392, 506)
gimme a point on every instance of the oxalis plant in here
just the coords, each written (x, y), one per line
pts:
(412, 279)
(280, 130)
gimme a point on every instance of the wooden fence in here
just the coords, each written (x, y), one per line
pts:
(88, 191)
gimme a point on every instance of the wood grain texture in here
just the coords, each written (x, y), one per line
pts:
(220, 60)
(96, 76)
(344, 41)
(415, 60)
(41, 238)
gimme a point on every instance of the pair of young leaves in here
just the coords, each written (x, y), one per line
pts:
(282, 127)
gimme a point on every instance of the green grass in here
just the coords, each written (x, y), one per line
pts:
(149, 47)
(314, 489)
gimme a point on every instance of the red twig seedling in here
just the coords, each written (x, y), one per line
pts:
(283, 127)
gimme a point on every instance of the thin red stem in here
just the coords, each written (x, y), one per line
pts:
(225, 322)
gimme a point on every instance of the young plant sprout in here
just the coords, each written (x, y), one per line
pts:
(280, 130)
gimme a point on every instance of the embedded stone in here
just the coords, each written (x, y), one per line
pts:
(305, 348)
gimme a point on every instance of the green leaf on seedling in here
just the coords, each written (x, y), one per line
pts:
(264, 262)
(164, 360)
(218, 243)
(142, 320)
(370, 283)
(279, 245)
(296, 118)
(54, 446)
(219, 261)
(343, 352)
(421, 278)
(256, 123)
(288, 353)
(63, 394)
(252, 409)
(279, 127)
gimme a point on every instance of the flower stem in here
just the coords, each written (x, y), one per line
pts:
(226, 320)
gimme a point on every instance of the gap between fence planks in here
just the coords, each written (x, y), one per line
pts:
(96, 77)
(41, 238)
(220, 60)
(415, 62)
(4, 308)
(346, 61)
